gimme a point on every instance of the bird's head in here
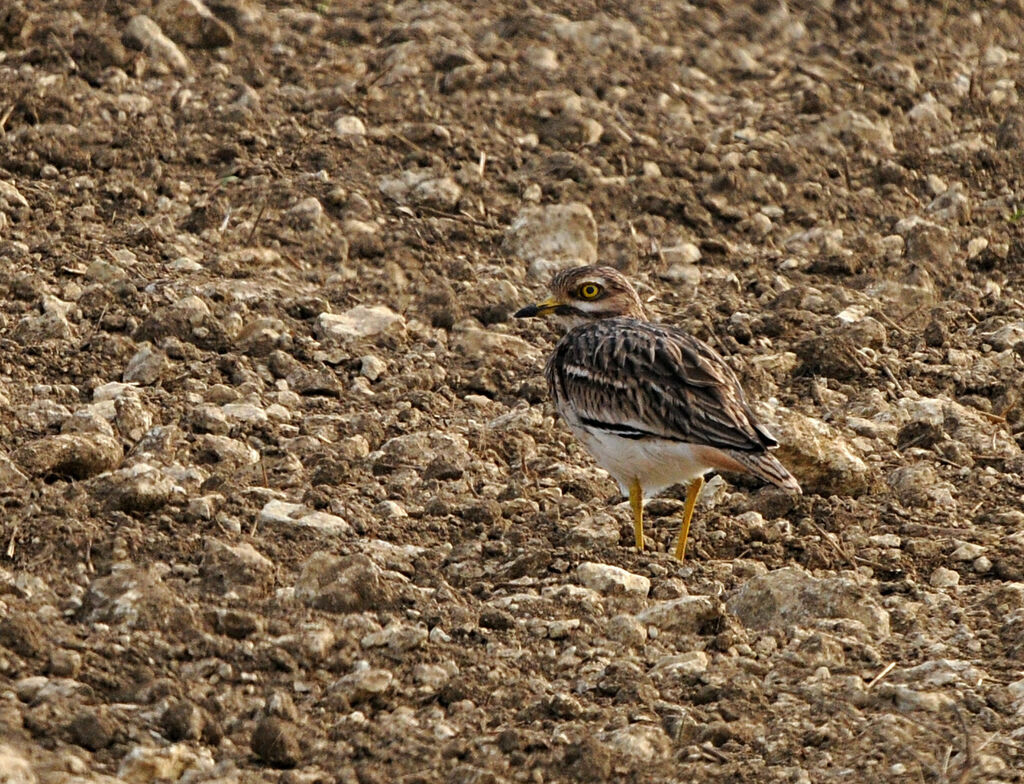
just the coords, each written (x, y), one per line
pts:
(582, 294)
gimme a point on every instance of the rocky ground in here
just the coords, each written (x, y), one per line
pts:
(282, 496)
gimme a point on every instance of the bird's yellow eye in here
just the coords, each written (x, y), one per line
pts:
(589, 291)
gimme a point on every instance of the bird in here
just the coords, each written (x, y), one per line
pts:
(654, 405)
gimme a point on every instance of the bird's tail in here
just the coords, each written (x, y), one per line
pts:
(767, 467)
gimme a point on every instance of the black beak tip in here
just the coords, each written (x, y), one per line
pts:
(527, 312)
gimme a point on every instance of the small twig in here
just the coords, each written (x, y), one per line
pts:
(885, 671)
(454, 216)
(60, 48)
(10, 544)
(885, 317)
(891, 376)
(968, 753)
(5, 117)
(255, 223)
(94, 330)
(408, 142)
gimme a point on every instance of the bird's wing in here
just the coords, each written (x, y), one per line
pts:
(642, 380)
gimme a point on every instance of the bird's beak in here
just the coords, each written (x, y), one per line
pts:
(544, 308)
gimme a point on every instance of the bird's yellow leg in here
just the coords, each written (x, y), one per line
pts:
(692, 492)
(636, 503)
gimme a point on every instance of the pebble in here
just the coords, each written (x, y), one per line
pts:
(686, 615)
(348, 126)
(277, 512)
(138, 489)
(16, 767)
(626, 629)
(596, 532)
(422, 187)
(967, 551)
(396, 637)
(553, 236)
(822, 460)
(372, 367)
(232, 567)
(306, 214)
(944, 578)
(792, 596)
(360, 322)
(687, 665)
(364, 684)
(144, 34)
(642, 743)
(346, 584)
(612, 580)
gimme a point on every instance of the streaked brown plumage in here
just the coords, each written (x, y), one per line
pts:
(653, 404)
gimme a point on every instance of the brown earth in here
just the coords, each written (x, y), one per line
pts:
(282, 496)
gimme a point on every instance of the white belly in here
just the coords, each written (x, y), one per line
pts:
(655, 463)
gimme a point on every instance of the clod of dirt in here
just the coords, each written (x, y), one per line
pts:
(276, 742)
(22, 634)
(791, 595)
(93, 731)
(226, 567)
(183, 720)
(350, 584)
(73, 455)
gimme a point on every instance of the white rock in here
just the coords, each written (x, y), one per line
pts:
(14, 767)
(390, 509)
(244, 412)
(277, 512)
(360, 322)
(145, 764)
(396, 637)
(886, 540)
(364, 683)
(553, 236)
(145, 34)
(10, 196)
(683, 253)
(594, 533)
(324, 522)
(686, 615)
(145, 366)
(821, 459)
(372, 367)
(608, 579)
(640, 742)
(306, 214)
(793, 596)
(944, 578)
(349, 125)
(967, 551)
(111, 391)
(422, 186)
(683, 664)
